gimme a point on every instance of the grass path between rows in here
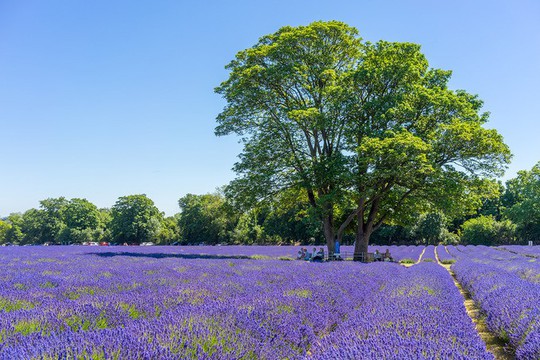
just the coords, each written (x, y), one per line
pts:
(421, 256)
(494, 344)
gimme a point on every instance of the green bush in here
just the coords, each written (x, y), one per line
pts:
(407, 261)
(285, 258)
(485, 230)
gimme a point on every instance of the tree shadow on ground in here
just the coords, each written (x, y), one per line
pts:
(164, 255)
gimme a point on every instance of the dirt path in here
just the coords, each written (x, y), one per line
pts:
(421, 256)
(493, 343)
(418, 261)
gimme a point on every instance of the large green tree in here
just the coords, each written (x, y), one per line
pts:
(135, 219)
(58, 220)
(14, 234)
(34, 227)
(81, 214)
(416, 144)
(170, 231)
(523, 200)
(82, 222)
(52, 218)
(284, 100)
(366, 130)
(205, 218)
(4, 228)
(430, 228)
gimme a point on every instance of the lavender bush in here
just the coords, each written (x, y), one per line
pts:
(531, 251)
(508, 296)
(429, 254)
(443, 255)
(525, 267)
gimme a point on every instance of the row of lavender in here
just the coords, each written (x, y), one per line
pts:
(506, 287)
(526, 267)
(530, 251)
(443, 255)
(71, 302)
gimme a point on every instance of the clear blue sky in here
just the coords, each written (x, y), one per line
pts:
(101, 99)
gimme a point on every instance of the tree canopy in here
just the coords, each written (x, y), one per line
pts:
(523, 201)
(205, 218)
(366, 130)
(135, 219)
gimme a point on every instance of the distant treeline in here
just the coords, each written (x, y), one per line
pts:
(510, 216)
(134, 219)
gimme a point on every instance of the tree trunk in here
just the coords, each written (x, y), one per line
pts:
(361, 245)
(363, 233)
(328, 228)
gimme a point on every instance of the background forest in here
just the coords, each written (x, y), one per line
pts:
(510, 216)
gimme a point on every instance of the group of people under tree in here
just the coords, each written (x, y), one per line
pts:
(377, 256)
(317, 256)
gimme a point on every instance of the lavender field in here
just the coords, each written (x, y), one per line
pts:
(249, 303)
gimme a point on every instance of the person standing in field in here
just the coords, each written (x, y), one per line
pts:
(337, 250)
